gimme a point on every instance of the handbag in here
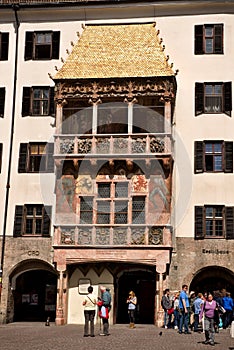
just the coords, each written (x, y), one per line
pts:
(221, 309)
(216, 317)
(170, 311)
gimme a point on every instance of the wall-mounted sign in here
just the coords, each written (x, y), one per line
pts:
(214, 251)
(83, 285)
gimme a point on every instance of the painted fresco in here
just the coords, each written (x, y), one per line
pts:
(84, 184)
(139, 184)
(159, 199)
(65, 194)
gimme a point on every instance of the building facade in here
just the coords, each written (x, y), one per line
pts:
(116, 154)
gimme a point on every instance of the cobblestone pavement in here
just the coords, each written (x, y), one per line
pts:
(36, 336)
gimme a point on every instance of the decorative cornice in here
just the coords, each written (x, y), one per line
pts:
(164, 87)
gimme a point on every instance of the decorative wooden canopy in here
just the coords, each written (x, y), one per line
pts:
(116, 60)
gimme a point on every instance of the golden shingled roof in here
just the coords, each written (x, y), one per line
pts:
(116, 51)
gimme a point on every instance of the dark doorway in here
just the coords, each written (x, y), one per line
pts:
(35, 296)
(143, 284)
(213, 278)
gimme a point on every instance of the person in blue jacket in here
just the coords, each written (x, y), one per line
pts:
(184, 309)
(228, 305)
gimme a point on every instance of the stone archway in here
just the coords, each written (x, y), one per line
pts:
(213, 278)
(34, 291)
(143, 283)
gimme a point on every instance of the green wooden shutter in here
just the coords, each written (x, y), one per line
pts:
(0, 157)
(55, 45)
(50, 157)
(28, 53)
(46, 221)
(228, 98)
(23, 157)
(199, 98)
(4, 46)
(218, 38)
(199, 222)
(18, 222)
(198, 157)
(228, 155)
(52, 103)
(229, 217)
(26, 105)
(2, 101)
(198, 44)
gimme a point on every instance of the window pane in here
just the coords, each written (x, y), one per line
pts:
(38, 226)
(37, 93)
(45, 108)
(29, 210)
(138, 210)
(218, 163)
(213, 104)
(209, 45)
(104, 207)
(40, 38)
(209, 31)
(218, 228)
(45, 93)
(208, 89)
(104, 190)
(121, 206)
(121, 190)
(36, 107)
(218, 212)
(43, 52)
(218, 89)
(42, 149)
(209, 212)
(29, 226)
(209, 147)
(34, 163)
(103, 219)
(218, 148)
(48, 38)
(209, 228)
(209, 163)
(86, 210)
(39, 210)
(34, 149)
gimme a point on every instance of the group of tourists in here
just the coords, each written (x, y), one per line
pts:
(90, 305)
(199, 312)
(104, 306)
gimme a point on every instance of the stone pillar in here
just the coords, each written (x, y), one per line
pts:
(94, 121)
(59, 115)
(61, 317)
(160, 269)
(167, 124)
(130, 117)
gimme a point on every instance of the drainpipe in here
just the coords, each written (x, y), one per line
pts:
(15, 8)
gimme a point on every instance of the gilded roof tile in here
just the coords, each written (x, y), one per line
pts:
(116, 51)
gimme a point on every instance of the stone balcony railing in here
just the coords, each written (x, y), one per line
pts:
(134, 145)
(124, 236)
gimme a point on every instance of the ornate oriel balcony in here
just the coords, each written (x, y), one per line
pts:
(106, 145)
(125, 236)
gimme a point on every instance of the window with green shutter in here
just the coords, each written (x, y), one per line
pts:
(208, 39)
(36, 157)
(32, 219)
(38, 101)
(214, 221)
(4, 44)
(213, 156)
(213, 98)
(42, 45)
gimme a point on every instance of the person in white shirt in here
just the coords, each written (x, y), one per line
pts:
(90, 304)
